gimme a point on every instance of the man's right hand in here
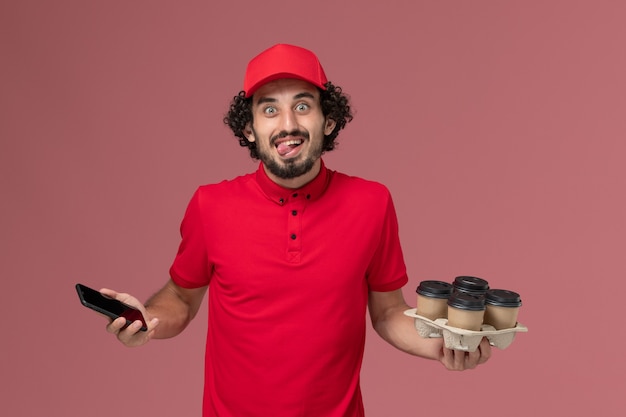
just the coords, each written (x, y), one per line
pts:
(131, 336)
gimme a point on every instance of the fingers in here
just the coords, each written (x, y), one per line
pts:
(132, 335)
(459, 360)
(109, 292)
(454, 360)
(116, 325)
(472, 358)
(485, 351)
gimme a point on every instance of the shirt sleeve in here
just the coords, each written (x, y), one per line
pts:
(190, 268)
(387, 270)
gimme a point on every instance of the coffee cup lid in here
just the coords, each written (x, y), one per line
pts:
(464, 301)
(471, 285)
(503, 298)
(434, 289)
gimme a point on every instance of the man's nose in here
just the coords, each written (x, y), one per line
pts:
(288, 121)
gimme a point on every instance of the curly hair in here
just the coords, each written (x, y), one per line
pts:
(334, 103)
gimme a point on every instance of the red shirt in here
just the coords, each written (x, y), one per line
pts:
(288, 274)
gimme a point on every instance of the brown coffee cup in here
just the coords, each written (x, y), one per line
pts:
(502, 308)
(466, 311)
(432, 299)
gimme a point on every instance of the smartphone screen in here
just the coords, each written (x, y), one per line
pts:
(110, 307)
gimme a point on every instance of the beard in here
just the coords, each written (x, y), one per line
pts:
(293, 167)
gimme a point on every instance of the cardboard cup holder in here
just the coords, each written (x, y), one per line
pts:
(461, 339)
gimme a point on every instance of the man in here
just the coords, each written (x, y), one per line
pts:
(293, 255)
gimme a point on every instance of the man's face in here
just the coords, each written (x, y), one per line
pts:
(288, 128)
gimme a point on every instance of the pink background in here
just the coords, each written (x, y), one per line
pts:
(499, 127)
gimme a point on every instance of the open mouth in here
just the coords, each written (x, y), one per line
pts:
(288, 148)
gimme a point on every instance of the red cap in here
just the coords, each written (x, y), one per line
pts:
(283, 61)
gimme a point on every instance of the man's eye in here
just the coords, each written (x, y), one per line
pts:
(302, 107)
(269, 110)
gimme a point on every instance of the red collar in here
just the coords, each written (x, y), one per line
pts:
(280, 195)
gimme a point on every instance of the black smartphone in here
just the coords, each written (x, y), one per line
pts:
(110, 307)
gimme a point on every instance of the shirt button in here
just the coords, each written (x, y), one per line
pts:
(294, 212)
(308, 196)
(295, 195)
(293, 237)
(281, 201)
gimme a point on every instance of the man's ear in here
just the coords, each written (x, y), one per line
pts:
(329, 126)
(248, 133)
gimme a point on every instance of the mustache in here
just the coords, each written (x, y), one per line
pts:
(284, 134)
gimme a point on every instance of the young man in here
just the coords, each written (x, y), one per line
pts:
(293, 255)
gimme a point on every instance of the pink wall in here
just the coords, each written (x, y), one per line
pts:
(498, 126)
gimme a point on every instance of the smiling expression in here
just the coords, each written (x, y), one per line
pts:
(289, 127)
